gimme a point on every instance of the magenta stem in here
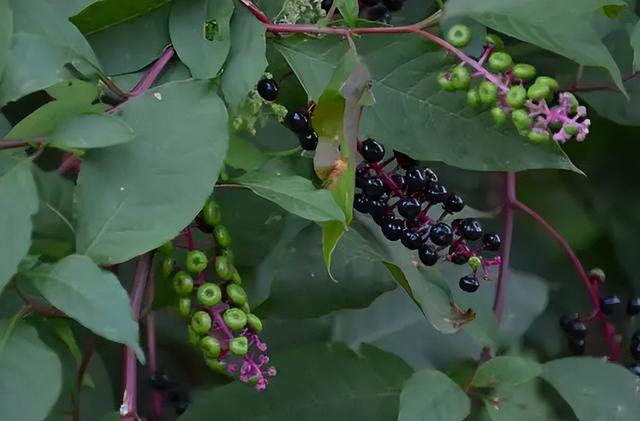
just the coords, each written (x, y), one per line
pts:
(156, 395)
(505, 255)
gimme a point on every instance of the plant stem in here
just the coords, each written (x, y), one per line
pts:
(156, 395)
(20, 143)
(89, 350)
(255, 10)
(505, 255)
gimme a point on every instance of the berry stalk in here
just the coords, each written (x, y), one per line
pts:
(505, 255)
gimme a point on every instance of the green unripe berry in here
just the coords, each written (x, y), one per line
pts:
(211, 213)
(209, 294)
(459, 35)
(538, 91)
(473, 99)
(254, 323)
(487, 92)
(235, 318)
(571, 130)
(445, 82)
(166, 248)
(475, 262)
(235, 276)
(201, 322)
(210, 346)
(573, 101)
(216, 365)
(221, 235)
(500, 61)
(192, 337)
(182, 283)
(223, 270)
(167, 267)
(550, 82)
(496, 41)
(239, 346)
(516, 97)
(184, 306)
(228, 253)
(196, 261)
(236, 294)
(538, 136)
(460, 77)
(524, 71)
(521, 119)
(246, 307)
(499, 116)
(253, 380)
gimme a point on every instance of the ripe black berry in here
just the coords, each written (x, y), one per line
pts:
(297, 121)
(382, 218)
(609, 304)
(441, 234)
(469, 284)
(415, 180)
(409, 208)
(411, 239)
(159, 380)
(377, 207)
(635, 369)
(308, 140)
(361, 203)
(471, 229)
(633, 306)
(378, 13)
(634, 349)
(268, 89)
(491, 242)
(374, 187)
(326, 5)
(398, 179)
(453, 203)
(635, 338)
(435, 193)
(566, 320)
(430, 175)
(576, 346)
(372, 151)
(428, 255)
(577, 329)
(392, 230)
(394, 5)
(458, 254)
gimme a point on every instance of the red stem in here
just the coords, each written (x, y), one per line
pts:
(89, 350)
(156, 395)
(505, 256)
(255, 10)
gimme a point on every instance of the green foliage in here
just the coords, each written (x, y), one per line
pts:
(506, 371)
(92, 131)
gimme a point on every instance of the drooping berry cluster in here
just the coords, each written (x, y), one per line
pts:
(221, 323)
(538, 111)
(410, 204)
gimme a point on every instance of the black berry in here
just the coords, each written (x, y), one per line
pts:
(435, 193)
(441, 234)
(634, 349)
(382, 218)
(576, 346)
(471, 229)
(491, 242)
(635, 337)
(411, 239)
(428, 255)
(633, 306)
(453, 203)
(609, 304)
(268, 89)
(326, 5)
(394, 5)
(635, 369)
(392, 230)
(566, 320)
(372, 151)
(458, 254)
(361, 203)
(409, 208)
(577, 329)
(377, 207)
(297, 121)
(415, 180)
(159, 380)
(379, 13)
(308, 140)
(398, 179)
(469, 284)
(374, 187)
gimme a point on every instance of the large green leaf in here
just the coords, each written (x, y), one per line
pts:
(133, 197)
(247, 57)
(5, 126)
(18, 201)
(100, 15)
(506, 370)
(92, 131)
(596, 390)
(430, 395)
(635, 43)
(31, 373)
(6, 31)
(90, 295)
(563, 26)
(522, 403)
(44, 43)
(314, 383)
(200, 33)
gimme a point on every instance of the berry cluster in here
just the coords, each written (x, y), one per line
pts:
(374, 10)
(537, 109)
(221, 323)
(404, 202)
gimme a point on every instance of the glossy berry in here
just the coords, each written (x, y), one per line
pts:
(184, 306)
(473, 99)
(495, 41)
(537, 91)
(521, 119)
(487, 92)
(379, 13)
(210, 346)
(209, 294)
(609, 304)
(372, 151)
(409, 208)
(254, 323)
(550, 82)
(470, 229)
(500, 61)
(308, 140)
(475, 263)
(566, 320)
(201, 322)
(167, 267)
(459, 35)
(236, 294)
(374, 187)
(377, 207)
(491, 242)
(182, 283)
(576, 329)
(635, 369)
(469, 284)
(361, 203)
(393, 5)
(297, 121)
(211, 213)
(458, 254)
(453, 203)
(159, 380)
(516, 97)
(524, 71)
(326, 5)
(196, 261)
(460, 78)
(499, 115)
(415, 180)
(398, 179)
(634, 349)
(435, 193)
(223, 268)
(633, 306)
(428, 255)
(222, 236)
(392, 230)
(268, 89)
(239, 346)
(576, 346)
(235, 318)
(430, 175)
(635, 337)
(441, 234)
(411, 239)
(538, 135)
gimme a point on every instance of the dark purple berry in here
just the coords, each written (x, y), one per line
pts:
(159, 380)
(576, 346)
(441, 234)
(268, 89)
(435, 193)
(635, 337)
(326, 5)
(491, 242)
(566, 320)
(635, 369)
(453, 203)
(633, 306)
(394, 5)
(404, 161)
(577, 329)
(297, 121)
(469, 283)
(409, 208)
(456, 223)
(428, 255)
(308, 140)
(411, 239)
(372, 151)
(414, 180)
(378, 13)
(392, 230)
(458, 254)
(634, 349)
(471, 229)
(382, 218)
(377, 207)
(374, 187)
(398, 179)
(361, 203)
(609, 304)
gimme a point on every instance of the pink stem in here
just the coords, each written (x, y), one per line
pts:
(187, 235)
(505, 255)
(255, 10)
(156, 395)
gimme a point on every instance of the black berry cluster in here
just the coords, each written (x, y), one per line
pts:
(374, 10)
(410, 205)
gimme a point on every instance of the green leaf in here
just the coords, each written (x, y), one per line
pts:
(91, 296)
(31, 373)
(430, 395)
(72, 7)
(339, 385)
(92, 131)
(243, 154)
(635, 43)
(18, 201)
(165, 174)
(506, 370)
(522, 403)
(595, 390)
(563, 27)
(247, 57)
(6, 31)
(349, 10)
(103, 14)
(5, 126)
(200, 33)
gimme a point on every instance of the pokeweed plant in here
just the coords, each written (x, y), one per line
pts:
(341, 144)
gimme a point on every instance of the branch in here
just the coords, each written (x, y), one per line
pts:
(20, 143)
(505, 255)
(156, 395)
(89, 350)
